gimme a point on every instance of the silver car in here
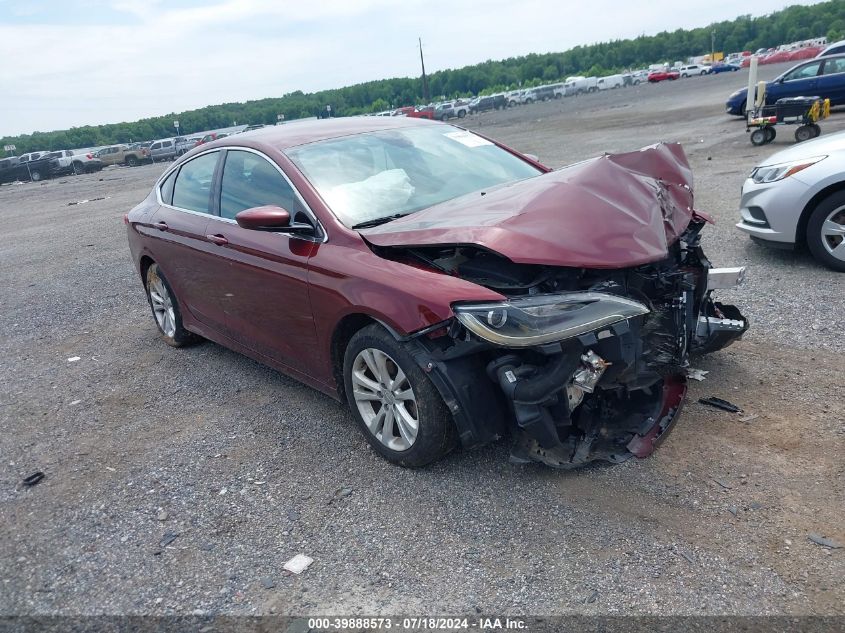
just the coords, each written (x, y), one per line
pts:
(797, 197)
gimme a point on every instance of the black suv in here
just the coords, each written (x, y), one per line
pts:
(493, 102)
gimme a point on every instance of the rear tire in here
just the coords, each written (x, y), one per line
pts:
(165, 308)
(132, 161)
(389, 394)
(816, 129)
(803, 133)
(826, 232)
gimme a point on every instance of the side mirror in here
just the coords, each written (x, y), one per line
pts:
(267, 218)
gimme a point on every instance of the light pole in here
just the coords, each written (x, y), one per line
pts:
(713, 46)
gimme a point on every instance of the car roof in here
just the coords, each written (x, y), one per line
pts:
(830, 46)
(281, 137)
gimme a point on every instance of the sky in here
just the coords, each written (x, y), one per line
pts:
(86, 62)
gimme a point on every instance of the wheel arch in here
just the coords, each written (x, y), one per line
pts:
(801, 229)
(143, 266)
(342, 334)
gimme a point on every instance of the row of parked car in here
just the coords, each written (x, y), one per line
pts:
(41, 165)
(37, 166)
(573, 86)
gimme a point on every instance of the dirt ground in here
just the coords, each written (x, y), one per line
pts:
(180, 481)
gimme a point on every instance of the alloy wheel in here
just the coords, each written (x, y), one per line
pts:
(833, 233)
(162, 306)
(385, 399)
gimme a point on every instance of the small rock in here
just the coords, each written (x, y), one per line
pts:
(168, 538)
(268, 582)
(198, 612)
(592, 597)
(733, 510)
(723, 484)
(818, 539)
(162, 515)
(343, 492)
(73, 359)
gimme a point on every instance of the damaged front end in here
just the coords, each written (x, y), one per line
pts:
(586, 364)
(606, 292)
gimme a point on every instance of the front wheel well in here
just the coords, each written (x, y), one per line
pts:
(343, 333)
(801, 229)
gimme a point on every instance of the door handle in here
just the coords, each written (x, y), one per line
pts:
(161, 226)
(217, 239)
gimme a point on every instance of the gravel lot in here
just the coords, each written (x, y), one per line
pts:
(182, 480)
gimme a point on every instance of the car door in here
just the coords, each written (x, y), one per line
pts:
(264, 286)
(179, 243)
(832, 80)
(799, 82)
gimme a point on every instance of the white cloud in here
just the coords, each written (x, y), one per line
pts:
(151, 58)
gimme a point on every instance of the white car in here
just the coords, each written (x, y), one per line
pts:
(797, 196)
(693, 70)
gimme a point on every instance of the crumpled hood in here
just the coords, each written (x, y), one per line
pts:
(614, 211)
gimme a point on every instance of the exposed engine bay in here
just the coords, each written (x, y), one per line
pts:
(608, 392)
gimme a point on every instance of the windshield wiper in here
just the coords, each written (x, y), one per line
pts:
(375, 222)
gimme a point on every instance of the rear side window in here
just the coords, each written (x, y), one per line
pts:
(834, 66)
(166, 188)
(192, 189)
(251, 181)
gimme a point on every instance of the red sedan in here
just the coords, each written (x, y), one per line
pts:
(662, 75)
(449, 289)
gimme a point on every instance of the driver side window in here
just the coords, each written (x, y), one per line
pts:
(805, 72)
(249, 180)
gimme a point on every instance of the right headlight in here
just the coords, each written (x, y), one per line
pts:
(779, 171)
(543, 319)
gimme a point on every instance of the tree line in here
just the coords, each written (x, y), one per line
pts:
(743, 33)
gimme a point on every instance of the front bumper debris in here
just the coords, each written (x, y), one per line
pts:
(609, 394)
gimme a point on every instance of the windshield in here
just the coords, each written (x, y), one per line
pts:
(396, 172)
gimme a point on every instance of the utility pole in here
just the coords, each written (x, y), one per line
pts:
(713, 46)
(424, 78)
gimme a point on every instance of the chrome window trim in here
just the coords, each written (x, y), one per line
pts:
(309, 212)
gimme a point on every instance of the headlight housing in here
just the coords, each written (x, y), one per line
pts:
(779, 171)
(540, 319)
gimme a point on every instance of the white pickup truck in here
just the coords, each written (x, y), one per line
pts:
(76, 163)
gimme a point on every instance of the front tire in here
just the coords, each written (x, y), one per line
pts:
(826, 232)
(759, 137)
(394, 403)
(36, 175)
(165, 307)
(132, 161)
